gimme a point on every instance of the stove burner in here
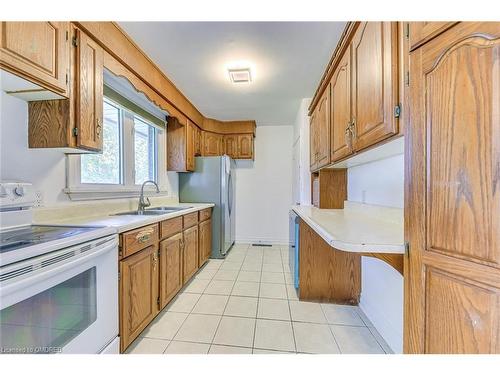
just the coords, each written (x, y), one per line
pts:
(13, 239)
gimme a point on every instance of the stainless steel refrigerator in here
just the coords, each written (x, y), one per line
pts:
(213, 181)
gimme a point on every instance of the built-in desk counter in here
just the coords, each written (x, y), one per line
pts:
(359, 228)
(332, 242)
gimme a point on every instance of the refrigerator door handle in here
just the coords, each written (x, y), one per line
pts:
(230, 193)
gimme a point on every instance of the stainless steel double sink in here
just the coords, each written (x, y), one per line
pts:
(154, 211)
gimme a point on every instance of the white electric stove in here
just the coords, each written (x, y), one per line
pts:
(58, 284)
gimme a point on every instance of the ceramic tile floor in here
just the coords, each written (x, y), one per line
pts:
(247, 304)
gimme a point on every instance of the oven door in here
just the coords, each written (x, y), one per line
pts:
(65, 301)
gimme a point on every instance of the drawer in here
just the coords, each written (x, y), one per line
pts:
(170, 227)
(138, 239)
(190, 220)
(205, 214)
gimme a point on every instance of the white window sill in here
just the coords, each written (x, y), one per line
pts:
(110, 192)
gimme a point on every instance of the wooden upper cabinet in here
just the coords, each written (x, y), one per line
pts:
(170, 268)
(197, 141)
(313, 138)
(421, 32)
(245, 146)
(323, 130)
(231, 145)
(190, 146)
(212, 144)
(75, 123)
(139, 293)
(37, 51)
(452, 197)
(340, 115)
(89, 97)
(374, 83)
(190, 252)
(181, 144)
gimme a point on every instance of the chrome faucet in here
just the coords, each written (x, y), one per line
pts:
(143, 203)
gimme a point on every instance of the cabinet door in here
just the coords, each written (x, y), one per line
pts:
(323, 130)
(421, 32)
(340, 115)
(374, 83)
(190, 145)
(452, 197)
(245, 146)
(197, 142)
(231, 145)
(190, 253)
(211, 144)
(138, 293)
(313, 153)
(89, 97)
(170, 268)
(37, 51)
(205, 241)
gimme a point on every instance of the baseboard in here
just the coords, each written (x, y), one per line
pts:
(281, 242)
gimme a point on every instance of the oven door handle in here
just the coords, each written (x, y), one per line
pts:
(41, 274)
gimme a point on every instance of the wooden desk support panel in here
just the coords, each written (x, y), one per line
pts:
(396, 261)
(327, 274)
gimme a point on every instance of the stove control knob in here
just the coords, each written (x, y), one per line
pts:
(19, 191)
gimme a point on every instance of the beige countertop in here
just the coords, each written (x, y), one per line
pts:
(121, 223)
(358, 227)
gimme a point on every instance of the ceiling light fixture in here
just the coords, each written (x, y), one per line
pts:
(240, 75)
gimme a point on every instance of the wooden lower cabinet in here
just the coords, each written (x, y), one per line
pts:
(138, 293)
(452, 196)
(327, 274)
(190, 253)
(205, 241)
(156, 261)
(170, 268)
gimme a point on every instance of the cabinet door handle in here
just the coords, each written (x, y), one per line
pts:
(348, 141)
(155, 261)
(98, 128)
(353, 128)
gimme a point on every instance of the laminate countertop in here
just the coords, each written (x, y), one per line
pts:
(359, 228)
(124, 223)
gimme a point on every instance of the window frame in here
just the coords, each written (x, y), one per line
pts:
(127, 187)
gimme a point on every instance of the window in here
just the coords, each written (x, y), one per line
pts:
(106, 168)
(145, 151)
(130, 155)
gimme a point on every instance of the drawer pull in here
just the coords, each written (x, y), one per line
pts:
(144, 235)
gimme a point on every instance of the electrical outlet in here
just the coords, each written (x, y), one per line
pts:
(38, 199)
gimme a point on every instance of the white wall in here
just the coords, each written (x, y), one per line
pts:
(381, 182)
(45, 168)
(301, 173)
(264, 188)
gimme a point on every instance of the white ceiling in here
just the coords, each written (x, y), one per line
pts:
(288, 60)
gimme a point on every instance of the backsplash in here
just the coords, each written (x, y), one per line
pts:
(90, 209)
